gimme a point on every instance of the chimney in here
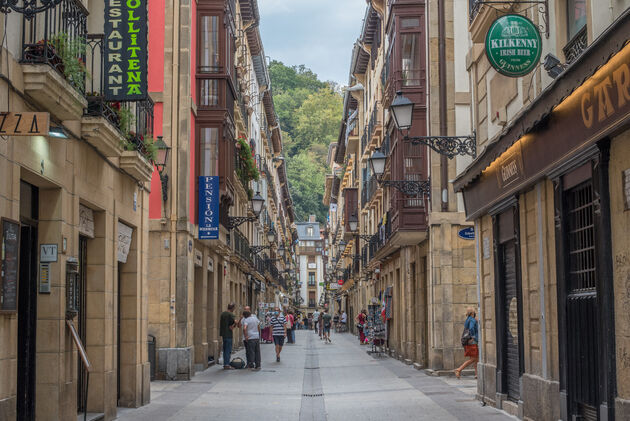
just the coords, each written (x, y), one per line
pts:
(312, 218)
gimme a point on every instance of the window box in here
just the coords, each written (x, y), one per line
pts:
(51, 91)
(102, 135)
(137, 165)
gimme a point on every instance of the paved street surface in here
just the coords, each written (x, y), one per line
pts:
(313, 382)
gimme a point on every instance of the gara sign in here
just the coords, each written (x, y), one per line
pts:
(125, 50)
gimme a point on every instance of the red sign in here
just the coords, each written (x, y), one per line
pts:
(340, 282)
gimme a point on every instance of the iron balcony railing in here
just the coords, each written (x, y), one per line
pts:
(367, 192)
(241, 245)
(374, 120)
(576, 46)
(57, 37)
(382, 235)
(364, 141)
(134, 119)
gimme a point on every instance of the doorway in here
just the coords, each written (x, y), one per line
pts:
(508, 301)
(586, 311)
(27, 302)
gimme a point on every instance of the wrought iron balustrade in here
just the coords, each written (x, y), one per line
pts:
(134, 119)
(241, 245)
(57, 37)
(576, 46)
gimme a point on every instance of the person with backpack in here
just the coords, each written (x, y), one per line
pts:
(279, 325)
(470, 338)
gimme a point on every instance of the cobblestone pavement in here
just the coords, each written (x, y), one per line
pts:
(316, 381)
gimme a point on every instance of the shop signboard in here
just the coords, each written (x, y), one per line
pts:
(24, 123)
(513, 45)
(125, 50)
(9, 265)
(208, 207)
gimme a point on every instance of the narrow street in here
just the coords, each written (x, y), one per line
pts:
(316, 381)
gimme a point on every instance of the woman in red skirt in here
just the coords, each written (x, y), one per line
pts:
(361, 321)
(471, 349)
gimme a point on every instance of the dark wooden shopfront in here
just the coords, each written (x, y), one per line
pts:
(564, 136)
(508, 299)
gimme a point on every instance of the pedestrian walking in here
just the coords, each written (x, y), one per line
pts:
(327, 322)
(470, 338)
(251, 332)
(279, 325)
(344, 321)
(315, 320)
(336, 319)
(320, 324)
(290, 326)
(227, 324)
(361, 324)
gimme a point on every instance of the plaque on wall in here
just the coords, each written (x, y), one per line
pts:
(124, 242)
(9, 266)
(86, 221)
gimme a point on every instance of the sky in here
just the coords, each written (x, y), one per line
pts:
(317, 33)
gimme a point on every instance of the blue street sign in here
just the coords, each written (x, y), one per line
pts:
(208, 208)
(467, 233)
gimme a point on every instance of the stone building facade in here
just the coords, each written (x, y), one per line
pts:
(74, 206)
(406, 252)
(310, 265)
(549, 198)
(215, 101)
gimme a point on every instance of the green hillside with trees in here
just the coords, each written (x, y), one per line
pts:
(309, 111)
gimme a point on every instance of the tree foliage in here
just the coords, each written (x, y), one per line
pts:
(310, 112)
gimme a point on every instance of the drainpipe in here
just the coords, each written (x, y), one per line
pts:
(541, 275)
(443, 109)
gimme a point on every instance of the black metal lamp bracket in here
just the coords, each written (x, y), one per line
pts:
(29, 8)
(448, 145)
(235, 221)
(409, 187)
(542, 5)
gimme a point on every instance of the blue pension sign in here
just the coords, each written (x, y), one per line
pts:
(208, 208)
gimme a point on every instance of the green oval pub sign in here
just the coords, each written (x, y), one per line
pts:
(513, 45)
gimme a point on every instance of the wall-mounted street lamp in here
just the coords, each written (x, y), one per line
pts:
(406, 187)
(353, 222)
(257, 203)
(281, 250)
(402, 111)
(160, 163)
(271, 236)
(341, 246)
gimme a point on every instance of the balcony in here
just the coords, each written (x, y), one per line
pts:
(53, 58)
(240, 245)
(576, 46)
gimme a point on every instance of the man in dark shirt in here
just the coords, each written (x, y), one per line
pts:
(226, 324)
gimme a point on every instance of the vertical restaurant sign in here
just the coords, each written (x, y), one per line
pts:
(125, 50)
(209, 208)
